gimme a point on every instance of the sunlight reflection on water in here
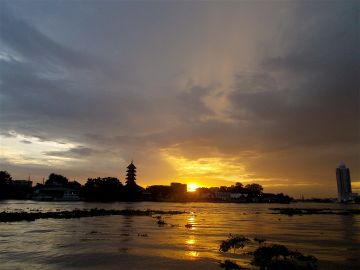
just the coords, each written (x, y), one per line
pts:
(191, 240)
(139, 243)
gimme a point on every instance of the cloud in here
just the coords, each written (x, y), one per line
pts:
(76, 152)
(271, 96)
(29, 43)
(308, 94)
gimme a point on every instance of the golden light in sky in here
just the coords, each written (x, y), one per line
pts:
(192, 187)
(208, 171)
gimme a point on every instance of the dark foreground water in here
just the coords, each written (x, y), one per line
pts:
(123, 242)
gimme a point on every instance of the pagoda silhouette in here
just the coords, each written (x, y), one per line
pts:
(133, 192)
(131, 174)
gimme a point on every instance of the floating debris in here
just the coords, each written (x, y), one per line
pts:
(161, 222)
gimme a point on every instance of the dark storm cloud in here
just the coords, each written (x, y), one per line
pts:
(32, 44)
(58, 86)
(64, 89)
(319, 103)
(33, 85)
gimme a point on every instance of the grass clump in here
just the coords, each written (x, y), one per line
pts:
(230, 265)
(279, 257)
(267, 256)
(233, 242)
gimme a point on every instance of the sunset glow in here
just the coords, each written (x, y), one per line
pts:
(207, 171)
(192, 187)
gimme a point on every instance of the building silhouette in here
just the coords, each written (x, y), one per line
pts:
(131, 175)
(132, 191)
(343, 183)
(178, 188)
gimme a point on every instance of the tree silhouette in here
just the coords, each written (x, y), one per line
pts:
(102, 189)
(5, 184)
(5, 177)
(57, 179)
(254, 189)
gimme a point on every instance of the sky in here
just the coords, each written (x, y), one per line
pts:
(203, 92)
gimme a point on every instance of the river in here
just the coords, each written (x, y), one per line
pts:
(131, 242)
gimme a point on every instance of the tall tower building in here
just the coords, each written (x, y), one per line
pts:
(343, 183)
(131, 175)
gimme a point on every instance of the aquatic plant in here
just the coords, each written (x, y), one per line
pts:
(259, 240)
(234, 242)
(279, 257)
(230, 265)
(268, 257)
(31, 216)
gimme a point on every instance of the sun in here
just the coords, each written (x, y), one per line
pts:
(192, 187)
